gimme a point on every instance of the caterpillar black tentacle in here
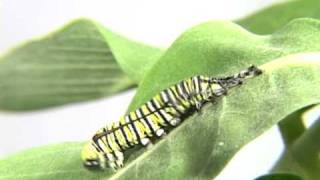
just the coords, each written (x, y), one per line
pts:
(167, 109)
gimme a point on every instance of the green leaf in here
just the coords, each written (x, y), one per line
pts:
(274, 17)
(220, 47)
(302, 157)
(79, 62)
(135, 59)
(202, 145)
(279, 177)
(292, 127)
(270, 20)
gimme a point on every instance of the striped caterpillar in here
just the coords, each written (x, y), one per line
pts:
(167, 109)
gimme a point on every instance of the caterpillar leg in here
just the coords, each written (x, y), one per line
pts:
(160, 132)
(175, 121)
(111, 161)
(119, 158)
(119, 163)
(198, 106)
(145, 141)
(119, 155)
(113, 165)
(115, 162)
(110, 157)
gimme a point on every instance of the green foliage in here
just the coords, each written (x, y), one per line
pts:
(81, 61)
(292, 127)
(301, 157)
(274, 17)
(279, 176)
(202, 145)
(267, 21)
(220, 47)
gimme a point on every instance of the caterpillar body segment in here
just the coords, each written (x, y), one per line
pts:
(166, 109)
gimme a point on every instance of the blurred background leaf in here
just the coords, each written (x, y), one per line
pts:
(279, 176)
(302, 156)
(79, 62)
(292, 127)
(274, 17)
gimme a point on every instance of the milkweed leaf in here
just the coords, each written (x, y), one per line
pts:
(204, 143)
(81, 61)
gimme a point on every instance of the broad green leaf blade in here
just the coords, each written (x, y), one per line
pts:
(271, 19)
(302, 157)
(221, 47)
(206, 142)
(135, 59)
(274, 17)
(201, 146)
(279, 176)
(79, 62)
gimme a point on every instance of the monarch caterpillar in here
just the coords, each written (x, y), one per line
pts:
(168, 108)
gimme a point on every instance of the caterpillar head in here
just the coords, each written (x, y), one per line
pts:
(90, 157)
(250, 72)
(236, 79)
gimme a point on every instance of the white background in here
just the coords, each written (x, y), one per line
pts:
(153, 22)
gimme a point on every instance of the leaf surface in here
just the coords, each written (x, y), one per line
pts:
(222, 48)
(267, 21)
(202, 145)
(272, 18)
(79, 62)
